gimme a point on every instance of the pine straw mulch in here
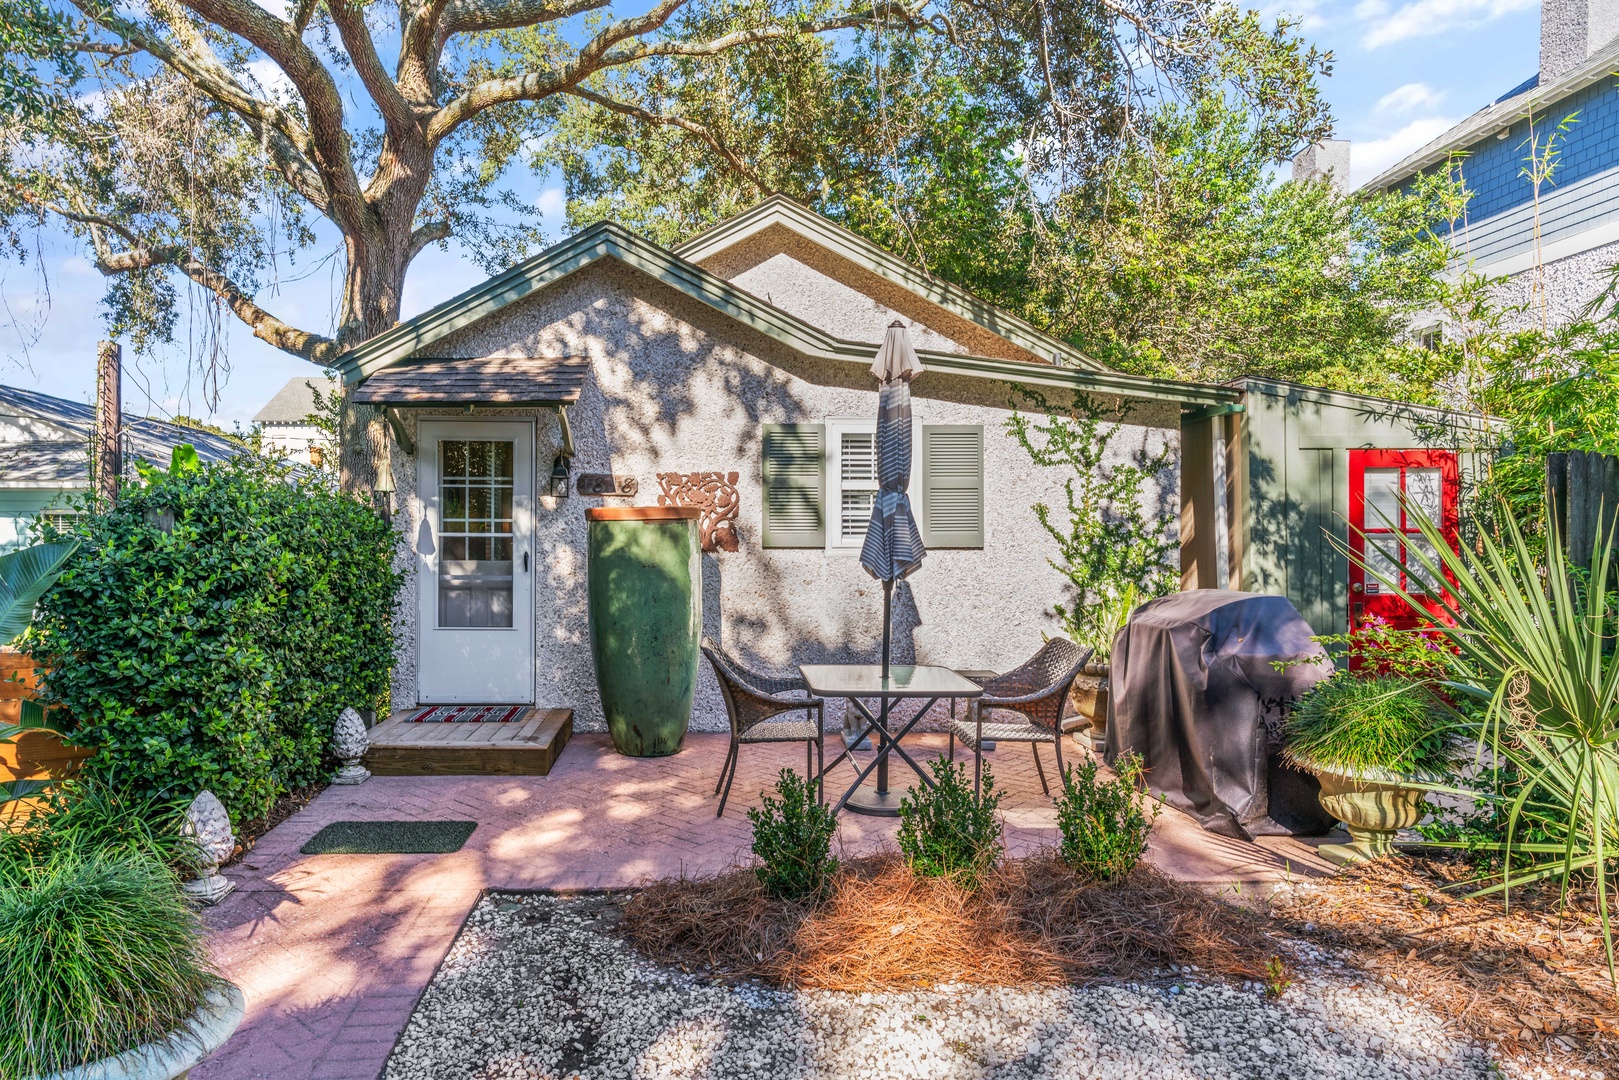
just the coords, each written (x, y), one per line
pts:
(1532, 979)
(1032, 921)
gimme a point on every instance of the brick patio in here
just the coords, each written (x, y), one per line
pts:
(332, 951)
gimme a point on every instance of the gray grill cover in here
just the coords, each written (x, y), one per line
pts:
(1195, 692)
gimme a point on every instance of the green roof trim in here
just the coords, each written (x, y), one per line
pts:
(609, 240)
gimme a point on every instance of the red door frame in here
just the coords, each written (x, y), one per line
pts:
(1387, 605)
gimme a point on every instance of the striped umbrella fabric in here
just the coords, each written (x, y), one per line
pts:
(893, 547)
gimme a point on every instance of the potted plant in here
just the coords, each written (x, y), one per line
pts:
(1089, 697)
(1376, 744)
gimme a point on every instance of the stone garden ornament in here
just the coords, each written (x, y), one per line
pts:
(349, 744)
(209, 825)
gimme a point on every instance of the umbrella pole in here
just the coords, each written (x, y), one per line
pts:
(888, 632)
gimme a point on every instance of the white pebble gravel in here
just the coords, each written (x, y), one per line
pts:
(539, 988)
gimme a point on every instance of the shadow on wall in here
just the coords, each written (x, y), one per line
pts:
(677, 386)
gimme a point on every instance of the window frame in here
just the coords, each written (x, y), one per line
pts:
(836, 427)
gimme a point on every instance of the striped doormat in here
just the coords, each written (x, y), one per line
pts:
(468, 714)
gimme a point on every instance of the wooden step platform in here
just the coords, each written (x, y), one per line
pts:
(526, 746)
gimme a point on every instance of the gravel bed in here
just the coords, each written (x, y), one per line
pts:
(540, 987)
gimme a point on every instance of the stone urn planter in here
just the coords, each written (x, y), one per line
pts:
(1089, 699)
(1373, 804)
(215, 1020)
(644, 575)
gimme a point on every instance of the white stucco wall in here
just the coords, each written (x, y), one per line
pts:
(676, 387)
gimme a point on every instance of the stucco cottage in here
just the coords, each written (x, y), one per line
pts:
(732, 373)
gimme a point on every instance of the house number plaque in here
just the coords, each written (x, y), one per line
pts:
(607, 485)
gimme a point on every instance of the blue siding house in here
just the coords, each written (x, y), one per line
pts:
(1578, 206)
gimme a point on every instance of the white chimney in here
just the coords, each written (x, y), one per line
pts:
(1572, 31)
(1327, 160)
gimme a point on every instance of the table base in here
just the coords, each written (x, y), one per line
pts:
(867, 800)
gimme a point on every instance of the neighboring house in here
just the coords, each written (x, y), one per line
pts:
(45, 454)
(285, 425)
(1572, 229)
(744, 356)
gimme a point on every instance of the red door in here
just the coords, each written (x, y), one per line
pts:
(1383, 485)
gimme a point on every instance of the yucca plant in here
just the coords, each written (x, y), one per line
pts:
(1536, 650)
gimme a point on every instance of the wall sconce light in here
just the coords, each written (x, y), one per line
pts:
(382, 491)
(557, 483)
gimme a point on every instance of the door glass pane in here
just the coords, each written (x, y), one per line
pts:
(1380, 563)
(1382, 498)
(475, 533)
(1417, 573)
(1422, 488)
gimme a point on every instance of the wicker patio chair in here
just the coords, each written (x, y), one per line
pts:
(751, 700)
(1038, 690)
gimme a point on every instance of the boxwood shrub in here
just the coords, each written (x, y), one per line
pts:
(213, 624)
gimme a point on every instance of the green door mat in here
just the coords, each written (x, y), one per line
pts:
(389, 838)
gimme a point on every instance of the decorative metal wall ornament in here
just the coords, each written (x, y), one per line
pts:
(207, 823)
(608, 486)
(712, 493)
(349, 744)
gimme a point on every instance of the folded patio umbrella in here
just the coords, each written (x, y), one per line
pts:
(893, 547)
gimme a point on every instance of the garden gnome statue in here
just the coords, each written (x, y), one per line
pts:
(208, 823)
(349, 744)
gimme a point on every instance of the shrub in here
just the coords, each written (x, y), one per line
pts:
(98, 954)
(944, 831)
(213, 624)
(1380, 722)
(792, 836)
(1104, 826)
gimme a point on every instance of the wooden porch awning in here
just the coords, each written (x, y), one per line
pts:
(478, 380)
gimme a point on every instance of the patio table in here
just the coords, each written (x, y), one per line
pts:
(852, 682)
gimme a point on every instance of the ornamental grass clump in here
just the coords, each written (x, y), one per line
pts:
(1103, 823)
(792, 836)
(944, 831)
(98, 954)
(1382, 723)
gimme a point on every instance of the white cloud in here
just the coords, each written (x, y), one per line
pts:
(1307, 13)
(1386, 25)
(551, 203)
(1367, 159)
(1407, 98)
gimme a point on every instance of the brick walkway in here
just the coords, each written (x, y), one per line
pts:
(333, 950)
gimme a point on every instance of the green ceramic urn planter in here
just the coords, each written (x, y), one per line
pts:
(645, 584)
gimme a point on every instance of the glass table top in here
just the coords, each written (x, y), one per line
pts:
(904, 680)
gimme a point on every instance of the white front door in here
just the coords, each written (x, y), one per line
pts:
(474, 553)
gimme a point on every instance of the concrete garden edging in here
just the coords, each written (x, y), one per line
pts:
(215, 1020)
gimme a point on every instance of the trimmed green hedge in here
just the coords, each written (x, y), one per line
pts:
(217, 652)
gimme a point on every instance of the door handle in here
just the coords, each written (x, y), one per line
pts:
(525, 562)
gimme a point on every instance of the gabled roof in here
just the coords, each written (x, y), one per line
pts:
(67, 460)
(780, 211)
(1503, 112)
(294, 402)
(607, 240)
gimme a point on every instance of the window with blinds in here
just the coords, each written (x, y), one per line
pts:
(820, 481)
(857, 483)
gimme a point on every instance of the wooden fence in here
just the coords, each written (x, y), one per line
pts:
(1584, 491)
(33, 754)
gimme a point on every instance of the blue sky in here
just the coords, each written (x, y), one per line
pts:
(1404, 72)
